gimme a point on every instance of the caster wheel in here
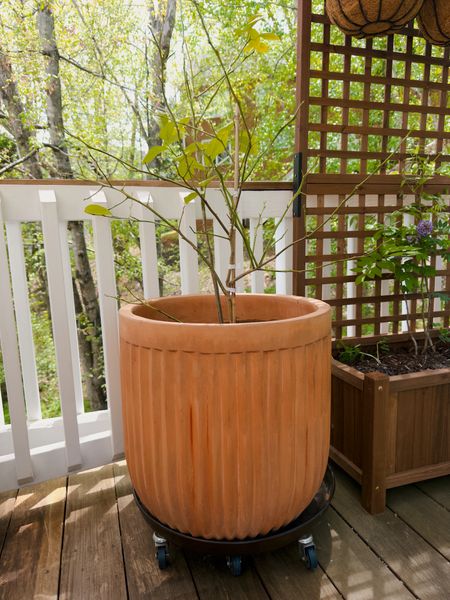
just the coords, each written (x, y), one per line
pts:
(311, 558)
(235, 565)
(162, 557)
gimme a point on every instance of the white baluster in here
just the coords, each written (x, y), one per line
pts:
(23, 316)
(439, 284)
(11, 366)
(2, 414)
(283, 262)
(256, 242)
(239, 251)
(221, 245)
(72, 320)
(149, 254)
(386, 283)
(327, 270)
(55, 235)
(406, 304)
(107, 297)
(188, 255)
(352, 247)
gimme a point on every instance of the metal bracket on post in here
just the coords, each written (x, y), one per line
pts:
(298, 276)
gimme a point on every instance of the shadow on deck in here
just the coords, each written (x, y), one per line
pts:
(82, 537)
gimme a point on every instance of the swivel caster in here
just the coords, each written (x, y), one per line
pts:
(235, 565)
(307, 549)
(162, 553)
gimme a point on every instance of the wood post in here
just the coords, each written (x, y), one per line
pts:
(375, 404)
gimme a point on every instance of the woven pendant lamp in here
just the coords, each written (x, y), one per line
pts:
(434, 21)
(368, 18)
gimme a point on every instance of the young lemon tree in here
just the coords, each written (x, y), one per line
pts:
(199, 150)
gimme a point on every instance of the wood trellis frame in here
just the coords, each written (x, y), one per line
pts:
(370, 98)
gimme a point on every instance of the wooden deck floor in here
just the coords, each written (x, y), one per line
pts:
(82, 537)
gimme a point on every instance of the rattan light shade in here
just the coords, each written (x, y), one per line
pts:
(434, 21)
(368, 18)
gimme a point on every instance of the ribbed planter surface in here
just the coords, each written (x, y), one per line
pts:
(226, 426)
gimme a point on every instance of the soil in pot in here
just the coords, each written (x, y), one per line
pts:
(397, 360)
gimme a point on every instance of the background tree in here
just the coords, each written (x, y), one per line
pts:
(101, 73)
(86, 302)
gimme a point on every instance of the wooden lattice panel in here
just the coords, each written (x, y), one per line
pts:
(365, 106)
(334, 240)
(362, 98)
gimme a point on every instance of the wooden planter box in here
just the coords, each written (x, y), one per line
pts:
(390, 431)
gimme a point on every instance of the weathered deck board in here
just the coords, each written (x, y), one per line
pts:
(213, 580)
(143, 575)
(352, 566)
(88, 540)
(91, 563)
(286, 578)
(7, 500)
(30, 560)
(438, 489)
(424, 515)
(425, 572)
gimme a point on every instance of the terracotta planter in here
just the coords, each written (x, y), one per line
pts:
(367, 18)
(434, 21)
(390, 431)
(226, 426)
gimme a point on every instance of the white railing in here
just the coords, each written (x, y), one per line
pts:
(33, 448)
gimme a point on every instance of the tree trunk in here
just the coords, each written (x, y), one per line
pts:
(87, 308)
(161, 24)
(23, 136)
(91, 358)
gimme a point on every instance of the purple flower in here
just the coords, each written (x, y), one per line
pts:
(424, 228)
(411, 239)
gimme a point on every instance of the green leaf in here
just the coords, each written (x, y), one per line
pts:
(224, 133)
(205, 182)
(246, 144)
(192, 148)
(248, 26)
(188, 166)
(441, 295)
(254, 20)
(168, 131)
(213, 148)
(153, 153)
(97, 210)
(260, 47)
(190, 197)
(270, 36)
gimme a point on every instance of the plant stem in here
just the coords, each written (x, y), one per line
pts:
(426, 315)
(409, 320)
(211, 260)
(231, 276)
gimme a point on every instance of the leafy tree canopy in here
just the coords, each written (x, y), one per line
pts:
(107, 55)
